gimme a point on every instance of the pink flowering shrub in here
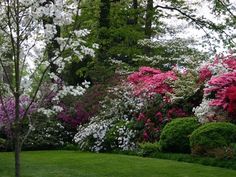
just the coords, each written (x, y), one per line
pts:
(152, 125)
(219, 102)
(221, 90)
(204, 74)
(220, 65)
(149, 81)
(73, 116)
(229, 61)
(155, 86)
(231, 97)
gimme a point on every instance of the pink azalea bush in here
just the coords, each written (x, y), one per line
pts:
(154, 85)
(149, 81)
(220, 86)
(73, 116)
(204, 74)
(221, 64)
(219, 100)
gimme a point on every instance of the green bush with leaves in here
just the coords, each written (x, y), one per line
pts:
(2, 144)
(214, 139)
(147, 149)
(49, 133)
(175, 135)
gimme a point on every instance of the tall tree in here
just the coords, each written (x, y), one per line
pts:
(103, 35)
(149, 18)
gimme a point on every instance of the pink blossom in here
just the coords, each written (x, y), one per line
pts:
(221, 87)
(149, 81)
(73, 116)
(141, 117)
(231, 95)
(145, 135)
(204, 74)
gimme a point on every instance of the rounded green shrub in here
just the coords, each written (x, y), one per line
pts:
(213, 139)
(175, 135)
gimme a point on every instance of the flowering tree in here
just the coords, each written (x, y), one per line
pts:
(34, 49)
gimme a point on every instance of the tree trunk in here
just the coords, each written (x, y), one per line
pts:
(149, 19)
(135, 7)
(17, 93)
(17, 154)
(103, 34)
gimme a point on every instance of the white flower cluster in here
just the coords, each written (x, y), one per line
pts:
(120, 106)
(95, 130)
(178, 46)
(125, 137)
(38, 26)
(203, 111)
(69, 90)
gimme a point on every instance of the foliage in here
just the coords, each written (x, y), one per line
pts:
(167, 53)
(147, 149)
(73, 114)
(49, 133)
(2, 144)
(213, 139)
(175, 135)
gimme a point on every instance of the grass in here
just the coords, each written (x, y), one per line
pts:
(77, 164)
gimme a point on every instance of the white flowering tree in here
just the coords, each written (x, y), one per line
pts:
(37, 39)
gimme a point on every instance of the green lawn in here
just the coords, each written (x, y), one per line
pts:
(77, 164)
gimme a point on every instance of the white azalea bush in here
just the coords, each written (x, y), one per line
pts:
(112, 127)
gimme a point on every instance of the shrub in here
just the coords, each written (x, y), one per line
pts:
(49, 133)
(214, 139)
(120, 137)
(175, 135)
(2, 144)
(147, 149)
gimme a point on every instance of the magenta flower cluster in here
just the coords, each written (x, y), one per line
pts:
(149, 81)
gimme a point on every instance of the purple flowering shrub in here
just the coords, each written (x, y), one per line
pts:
(7, 110)
(73, 115)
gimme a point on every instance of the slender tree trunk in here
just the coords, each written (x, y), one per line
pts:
(17, 94)
(135, 7)
(17, 154)
(149, 19)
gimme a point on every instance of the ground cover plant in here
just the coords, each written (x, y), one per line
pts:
(71, 164)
